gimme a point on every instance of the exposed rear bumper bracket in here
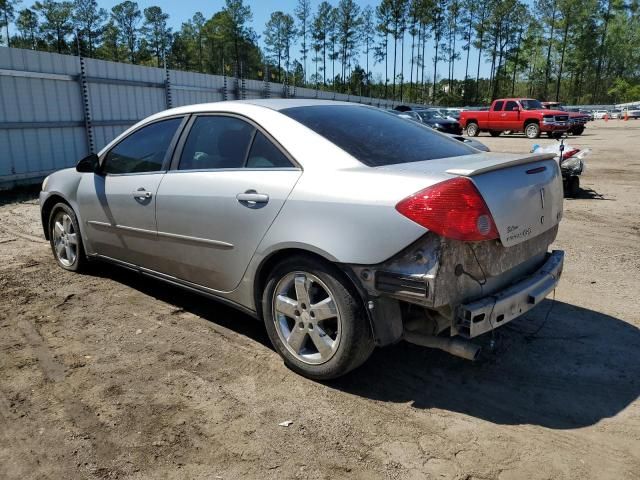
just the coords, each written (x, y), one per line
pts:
(481, 316)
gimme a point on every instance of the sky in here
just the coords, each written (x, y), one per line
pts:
(181, 10)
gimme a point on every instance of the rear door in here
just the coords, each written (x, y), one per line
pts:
(118, 204)
(228, 182)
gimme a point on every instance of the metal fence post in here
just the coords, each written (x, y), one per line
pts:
(267, 82)
(225, 94)
(243, 84)
(86, 103)
(167, 86)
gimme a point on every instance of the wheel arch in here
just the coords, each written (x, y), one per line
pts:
(383, 314)
(47, 206)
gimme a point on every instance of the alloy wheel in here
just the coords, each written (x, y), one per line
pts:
(65, 239)
(306, 317)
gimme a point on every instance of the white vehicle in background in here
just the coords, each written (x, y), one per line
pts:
(599, 114)
(615, 113)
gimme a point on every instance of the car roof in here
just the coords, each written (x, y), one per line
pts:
(271, 103)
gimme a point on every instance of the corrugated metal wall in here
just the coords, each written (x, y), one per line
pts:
(55, 108)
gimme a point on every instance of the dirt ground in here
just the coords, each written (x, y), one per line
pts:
(111, 375)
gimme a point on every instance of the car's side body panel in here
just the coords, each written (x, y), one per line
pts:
(330, 204)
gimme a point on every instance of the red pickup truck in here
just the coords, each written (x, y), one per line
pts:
(516, 114)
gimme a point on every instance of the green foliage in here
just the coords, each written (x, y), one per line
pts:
(576, 51)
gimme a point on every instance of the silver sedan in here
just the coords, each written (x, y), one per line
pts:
(339, 226)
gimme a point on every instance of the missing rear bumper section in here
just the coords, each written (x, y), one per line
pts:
(475, 318)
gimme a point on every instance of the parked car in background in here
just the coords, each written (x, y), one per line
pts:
(413, 116)
(339, 226)
(633, 114)
(516, 115)
(615, 113)
(588, 113)
(577, 120)
(436, 120)
(599, 114)
(408, 114)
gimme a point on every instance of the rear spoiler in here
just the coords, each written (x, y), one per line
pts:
(498, 161)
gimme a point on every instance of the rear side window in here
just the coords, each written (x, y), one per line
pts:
(142, 151)
(264, 154)
(498, 106)
(216, 142)
(511, 106)
(375, 137)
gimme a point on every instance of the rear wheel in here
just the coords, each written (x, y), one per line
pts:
(315, 320)
(494, 133)
(65, 238)
(532, 130)
(572, 187)
(472, 129)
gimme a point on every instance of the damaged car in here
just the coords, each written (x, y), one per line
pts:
(339, 226)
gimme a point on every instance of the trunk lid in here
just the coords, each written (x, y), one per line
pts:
(524, 195)
(522, 191)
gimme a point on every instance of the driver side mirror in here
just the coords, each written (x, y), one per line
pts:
(88, 164)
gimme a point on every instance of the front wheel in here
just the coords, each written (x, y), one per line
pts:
(65, 238)
(532, 130)
(315, 320)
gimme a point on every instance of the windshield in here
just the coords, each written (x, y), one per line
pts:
(429, 114)
(375, 137)
(531, 105)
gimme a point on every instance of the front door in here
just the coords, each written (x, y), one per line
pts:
(215, 207)
(118, 204)
(509, 119)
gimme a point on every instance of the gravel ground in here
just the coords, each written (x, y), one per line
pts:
(111, 375)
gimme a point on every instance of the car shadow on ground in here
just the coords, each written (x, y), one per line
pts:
(588, 194)
(204, 307)
(582, 366)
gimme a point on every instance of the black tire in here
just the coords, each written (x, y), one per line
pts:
(356, 340)
(532, 130)
(493, 133)
(80, 261)
(472, 129)
(572, 187)
(578, 131)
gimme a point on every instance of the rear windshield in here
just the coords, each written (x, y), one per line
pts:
(375, 137)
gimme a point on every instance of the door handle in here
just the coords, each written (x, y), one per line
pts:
(142, 194)
(251, 198)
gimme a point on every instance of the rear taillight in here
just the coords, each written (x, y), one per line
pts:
(570, 153)
(453, 209)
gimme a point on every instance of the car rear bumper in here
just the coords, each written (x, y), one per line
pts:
(478, 317)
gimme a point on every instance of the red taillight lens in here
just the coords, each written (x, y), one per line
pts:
(453, 209)
(569, 153)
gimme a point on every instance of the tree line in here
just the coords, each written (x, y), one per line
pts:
(576, 51)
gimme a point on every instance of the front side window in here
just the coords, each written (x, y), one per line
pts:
(374, 137)
(216, 142)
(142, 151)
